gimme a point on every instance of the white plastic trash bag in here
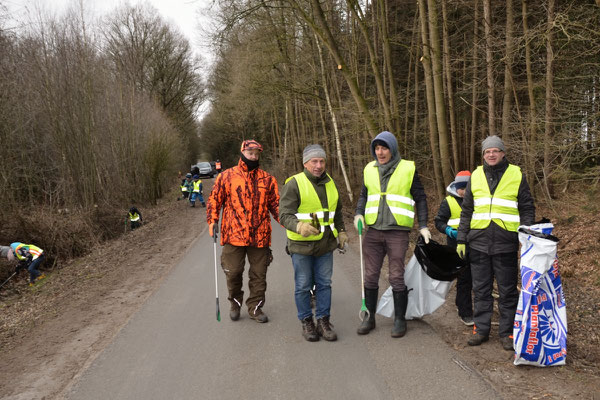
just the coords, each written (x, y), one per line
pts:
(424, 297)
(540, 328)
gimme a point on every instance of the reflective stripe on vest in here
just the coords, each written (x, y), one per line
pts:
(502, 206)
(311, 204)
(197, 186)
(33, 250)
(397, 194)
(455, 211)
(134, 217)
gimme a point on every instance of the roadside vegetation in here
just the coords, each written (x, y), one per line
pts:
(94, 118)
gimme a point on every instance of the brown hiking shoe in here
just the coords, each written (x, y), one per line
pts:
(259, 316)
(324, 329)
(309, 332)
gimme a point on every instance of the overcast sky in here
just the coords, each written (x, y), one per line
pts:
(187, 15)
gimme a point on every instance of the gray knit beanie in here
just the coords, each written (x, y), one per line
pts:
(312, 151)
(491, 142)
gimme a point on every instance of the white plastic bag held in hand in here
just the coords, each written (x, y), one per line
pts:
(424, 297)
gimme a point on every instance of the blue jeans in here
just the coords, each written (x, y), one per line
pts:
(34, 272)
(309, 270)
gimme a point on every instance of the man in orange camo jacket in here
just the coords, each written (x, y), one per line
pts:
(247, 195)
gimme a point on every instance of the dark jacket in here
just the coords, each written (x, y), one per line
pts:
(288, 207)
(442, 217)
(494, 239)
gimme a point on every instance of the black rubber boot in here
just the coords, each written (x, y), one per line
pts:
(400, 303)
(368, 324)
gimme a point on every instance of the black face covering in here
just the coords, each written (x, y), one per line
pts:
(252, 165)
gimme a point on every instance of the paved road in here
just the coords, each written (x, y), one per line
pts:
(174, 348)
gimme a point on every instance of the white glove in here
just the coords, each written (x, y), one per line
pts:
(359, 217)
(426, 234)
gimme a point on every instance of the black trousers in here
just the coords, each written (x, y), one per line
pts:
(464, 300)
(505, 269)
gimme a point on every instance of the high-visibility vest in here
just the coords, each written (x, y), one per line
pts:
(218, 165)
(197, 186)
(311, 204)
(184, 186)
(33, 250)
(502, 206)
(134, 217)
(455, 211)
(397, 194)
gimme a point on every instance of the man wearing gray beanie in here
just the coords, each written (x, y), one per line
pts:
(497, 200)
(311, 211)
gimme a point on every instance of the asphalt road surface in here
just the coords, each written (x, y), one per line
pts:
(174, 348)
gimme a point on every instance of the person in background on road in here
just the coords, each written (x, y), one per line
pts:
(311, 211)
(497, 200)
(386, 205)
(30, 257)
(197, 192)
(446, 221)
(135, 218)
(187, 186)
(218, 166)
(247, 195)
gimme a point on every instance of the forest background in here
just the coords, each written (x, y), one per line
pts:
(97, 116)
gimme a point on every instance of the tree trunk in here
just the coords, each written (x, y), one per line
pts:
(487, 17)
(474, 91)
(449, 88)
(438, 87)
(387, 51)
(531, 152)
(430, 97)
(548, 126)
(373, 61)
(334, 124)
(508, 64)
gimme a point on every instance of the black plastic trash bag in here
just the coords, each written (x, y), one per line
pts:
(439, 261)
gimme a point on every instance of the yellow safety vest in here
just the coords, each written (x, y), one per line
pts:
(134, 217)
(502, 206)
(33, 250)
(197, 186)
(455, 211)
(397, 194)
(311, 204)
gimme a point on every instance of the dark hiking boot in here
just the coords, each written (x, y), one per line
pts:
(234, 313)
(468, 321)
(400, 304)
(324, 329)
(309, 332)
(477, 339)
(368, 324)
(259, 316)
(507, 343)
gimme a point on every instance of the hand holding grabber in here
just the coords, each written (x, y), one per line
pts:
(214, 232)
(364, 312)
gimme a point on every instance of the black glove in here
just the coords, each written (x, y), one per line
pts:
(21, 265)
